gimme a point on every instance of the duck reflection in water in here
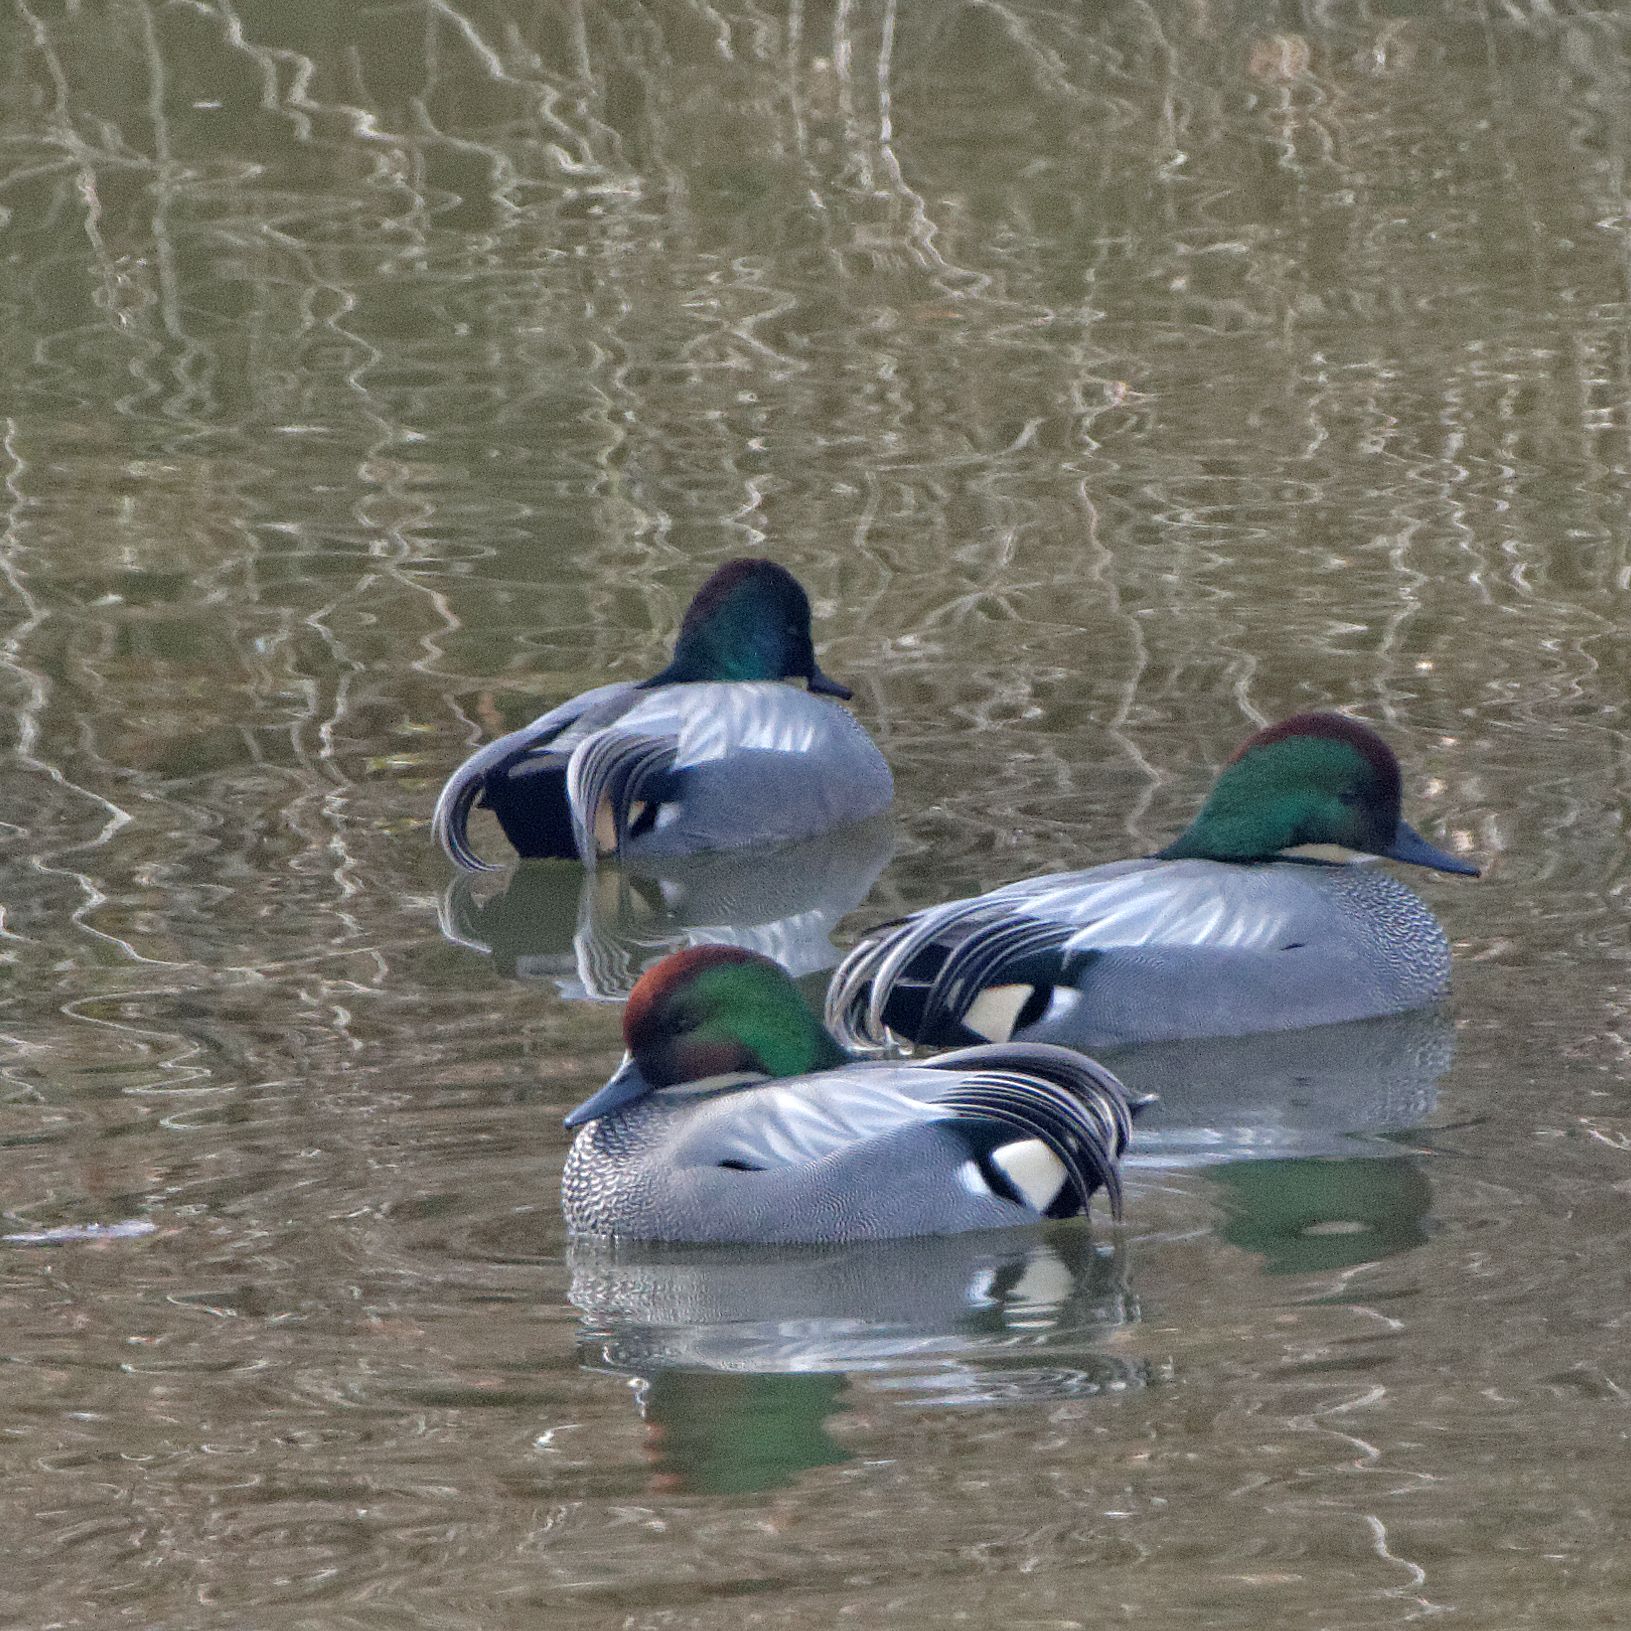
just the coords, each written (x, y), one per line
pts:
(595, 932)
(1301, 1132)
(724, 1434)
(745, 1355)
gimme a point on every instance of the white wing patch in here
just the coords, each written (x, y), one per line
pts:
(994, 1013)
(1036, 1173)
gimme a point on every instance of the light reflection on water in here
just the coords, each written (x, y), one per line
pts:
(1329, 1090)
(595, 931)
(974, 1321)
(848, 1308)
(1116, 380)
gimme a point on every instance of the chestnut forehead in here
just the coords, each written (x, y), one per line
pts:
(657, 986)
(1352, 733)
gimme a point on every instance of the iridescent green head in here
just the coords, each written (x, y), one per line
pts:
(712, 1011)
(749, 621)
(1313, 779)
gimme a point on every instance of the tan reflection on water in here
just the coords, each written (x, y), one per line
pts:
(1117, 378)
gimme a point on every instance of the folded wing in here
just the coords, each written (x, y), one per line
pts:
(994, 1097)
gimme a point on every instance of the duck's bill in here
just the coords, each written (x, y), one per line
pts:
(1409, 845)
(627, 1085)
(827, 686)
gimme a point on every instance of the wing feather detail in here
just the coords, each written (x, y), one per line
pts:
(616, 739)
(792, 1124)
(1070, 1102)
(947, 954)
(978, 942)
(708, 720)
(609, 774)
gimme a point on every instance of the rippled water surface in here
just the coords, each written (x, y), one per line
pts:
(1117, 377)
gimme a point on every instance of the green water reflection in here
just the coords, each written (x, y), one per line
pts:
(1310, 1217)
(736, 1435)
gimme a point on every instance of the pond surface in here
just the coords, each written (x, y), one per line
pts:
(1117, 378)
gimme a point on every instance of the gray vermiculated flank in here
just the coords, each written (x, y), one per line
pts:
(618, 1182)
(1192, 948)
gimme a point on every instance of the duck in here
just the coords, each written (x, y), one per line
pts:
(1267, 913)
(736, 1118)
(712, 752)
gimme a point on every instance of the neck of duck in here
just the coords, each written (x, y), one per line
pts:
(707, 657)
(737, 638)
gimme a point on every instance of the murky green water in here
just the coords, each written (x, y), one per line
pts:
(1117, 377)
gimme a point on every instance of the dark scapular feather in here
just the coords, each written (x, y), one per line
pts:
(920, 977)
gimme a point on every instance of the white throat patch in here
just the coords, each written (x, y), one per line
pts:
(1338, 854)
(715, 1084)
